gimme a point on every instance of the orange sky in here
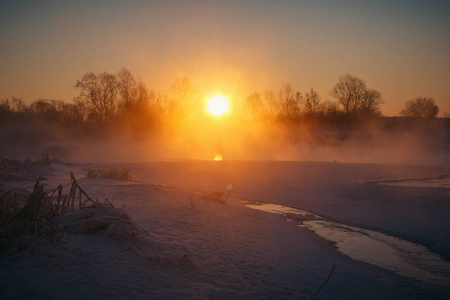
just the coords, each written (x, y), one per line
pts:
(400, 48)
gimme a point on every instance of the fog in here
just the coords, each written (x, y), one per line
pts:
(234, 140)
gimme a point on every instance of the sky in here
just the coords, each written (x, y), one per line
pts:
(400, 48)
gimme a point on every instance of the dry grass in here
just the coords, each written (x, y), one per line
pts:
(36, 214)
(12, 169)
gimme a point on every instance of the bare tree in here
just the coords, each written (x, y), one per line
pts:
(270, 100)
(98, 93)
(185, 93)
(5, 107)
(352, 93)
(42, 106)
(158, 100)
(312, 103)
(108, 83)
(74, 112)
(255, 105)
(421, 107)
(128, 89)
(370, 102)
(89, 96)
(142, 92)
(289, 102)
(348, 91)
(18, 105)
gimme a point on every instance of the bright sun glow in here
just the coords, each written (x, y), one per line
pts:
(217, 105)
(218, 157)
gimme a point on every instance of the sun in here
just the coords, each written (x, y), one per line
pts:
(217, 105)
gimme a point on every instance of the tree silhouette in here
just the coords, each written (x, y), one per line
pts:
(289, 102)
(352, 93)
(312, 103)
(98, 93)
(128, 89)
(18, 105)
(255, 105)
(270, 100)
(186, 95)
(370, 102)
(421, 107)
(5, 107)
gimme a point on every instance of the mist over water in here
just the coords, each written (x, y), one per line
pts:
(168, 136)
(206, 141)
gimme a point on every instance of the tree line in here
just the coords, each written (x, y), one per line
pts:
(354, 102)
(105, 98)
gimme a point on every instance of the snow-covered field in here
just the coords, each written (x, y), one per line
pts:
(197, 247)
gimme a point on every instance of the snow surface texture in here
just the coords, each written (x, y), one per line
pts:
(117, 225)
(400, 256)
(216, 250)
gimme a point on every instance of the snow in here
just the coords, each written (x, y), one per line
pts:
(191, 246)
(400, 256)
